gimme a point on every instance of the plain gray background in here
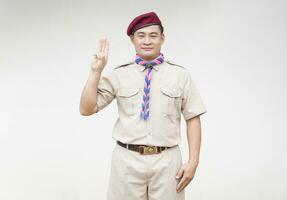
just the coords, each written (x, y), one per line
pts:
(234, 50)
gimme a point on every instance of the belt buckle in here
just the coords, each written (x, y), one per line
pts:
(144, 150)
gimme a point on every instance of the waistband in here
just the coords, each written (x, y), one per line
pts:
(143, 149)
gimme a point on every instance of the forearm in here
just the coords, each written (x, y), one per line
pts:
(88, 102)
(194, 139)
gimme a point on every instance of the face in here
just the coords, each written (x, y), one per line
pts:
(147, 42)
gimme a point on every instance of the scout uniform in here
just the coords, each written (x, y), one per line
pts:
(146, 156)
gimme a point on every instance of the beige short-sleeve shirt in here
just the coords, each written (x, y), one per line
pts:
(172, 93)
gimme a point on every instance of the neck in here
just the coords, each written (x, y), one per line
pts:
(150, 58)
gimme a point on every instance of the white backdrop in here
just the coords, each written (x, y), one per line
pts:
(235, 50)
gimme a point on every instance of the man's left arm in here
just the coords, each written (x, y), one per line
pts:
(187, 171)
(192, 108)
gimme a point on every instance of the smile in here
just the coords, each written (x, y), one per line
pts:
(147, 49)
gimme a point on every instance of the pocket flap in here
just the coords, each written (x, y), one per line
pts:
(171, 91)
(127, 91)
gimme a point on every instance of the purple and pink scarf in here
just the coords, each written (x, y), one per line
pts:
(148, 69)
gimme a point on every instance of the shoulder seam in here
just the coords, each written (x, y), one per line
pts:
(172, 63)
(123, 65)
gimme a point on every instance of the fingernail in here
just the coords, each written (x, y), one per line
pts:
(177, 177)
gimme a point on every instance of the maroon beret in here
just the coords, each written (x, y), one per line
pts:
(143, 20)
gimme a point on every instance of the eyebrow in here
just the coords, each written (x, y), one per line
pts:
(147, 33)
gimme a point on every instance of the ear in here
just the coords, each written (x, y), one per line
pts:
(163, 37)
(132, 38)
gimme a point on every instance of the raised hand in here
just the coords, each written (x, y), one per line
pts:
(100, 59)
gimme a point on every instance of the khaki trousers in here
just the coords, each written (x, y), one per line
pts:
(144, 177)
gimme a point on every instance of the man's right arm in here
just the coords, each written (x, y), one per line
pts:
(89, 96)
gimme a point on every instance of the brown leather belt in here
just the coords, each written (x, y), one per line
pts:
(143, 149)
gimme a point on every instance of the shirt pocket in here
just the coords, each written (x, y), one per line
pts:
(129, 100)
(171, 100)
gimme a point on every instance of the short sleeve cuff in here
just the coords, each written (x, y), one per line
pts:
(190, 115)
(101, 103)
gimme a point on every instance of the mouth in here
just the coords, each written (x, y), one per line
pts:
(147, 49)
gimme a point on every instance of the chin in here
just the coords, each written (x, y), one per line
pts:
(148, 55)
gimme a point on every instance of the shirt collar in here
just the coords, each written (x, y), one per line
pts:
(141, 67)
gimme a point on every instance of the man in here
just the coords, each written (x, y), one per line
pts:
(151, 94)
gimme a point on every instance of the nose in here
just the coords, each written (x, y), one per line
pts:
(147, 41)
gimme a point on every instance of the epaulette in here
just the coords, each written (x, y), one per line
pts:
(123, 65)
(172, 63)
